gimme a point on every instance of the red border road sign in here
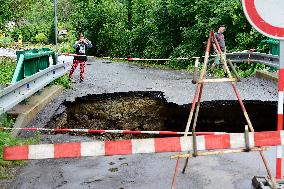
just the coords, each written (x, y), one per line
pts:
(261, 20)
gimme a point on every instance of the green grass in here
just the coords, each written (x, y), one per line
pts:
(63, 81)
(6, 139)
(5, 41)
(244, 69)
(7, 68)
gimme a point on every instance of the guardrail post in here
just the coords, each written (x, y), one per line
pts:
(19, 73)
(195, 74)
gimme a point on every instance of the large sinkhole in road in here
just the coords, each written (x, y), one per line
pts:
(151, 111)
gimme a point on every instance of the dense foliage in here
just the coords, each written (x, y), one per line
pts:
(136, 28)
(162, 28)
(7, 67)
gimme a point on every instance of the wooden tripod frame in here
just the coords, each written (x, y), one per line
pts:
(195, 108)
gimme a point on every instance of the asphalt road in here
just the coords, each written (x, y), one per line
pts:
(151, 171)
(7, 52)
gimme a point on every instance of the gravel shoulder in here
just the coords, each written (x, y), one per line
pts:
(150, 170)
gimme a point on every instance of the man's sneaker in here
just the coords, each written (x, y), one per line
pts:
(81, 81)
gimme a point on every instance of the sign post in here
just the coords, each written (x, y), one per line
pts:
(55, 24)
(280, 108)
(267, 17)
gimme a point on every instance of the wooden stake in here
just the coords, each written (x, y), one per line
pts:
(218, 80)
(221, 152)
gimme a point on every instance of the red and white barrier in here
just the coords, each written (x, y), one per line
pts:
(111, 131)
(148, 59)
(138, 146)
(119, 58)
(280, 111)
(72, 54)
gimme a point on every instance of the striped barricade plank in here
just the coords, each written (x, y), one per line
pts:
(138, 146)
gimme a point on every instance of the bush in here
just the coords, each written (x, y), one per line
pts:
(7, 68)
(66, 48)
(41, 38)
(5, 41)
(27, 31)
(179, 64)
(63, 81)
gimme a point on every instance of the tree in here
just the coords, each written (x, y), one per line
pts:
(137, 28)
(13, 10)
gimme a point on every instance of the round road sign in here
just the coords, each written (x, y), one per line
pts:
(266, 16)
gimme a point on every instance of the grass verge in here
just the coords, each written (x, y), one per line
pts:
(7, 68)
(243, 69)
(6, 139)
(63, 81)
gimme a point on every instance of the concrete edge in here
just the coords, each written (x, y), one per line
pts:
(266, 75)
(24, 118)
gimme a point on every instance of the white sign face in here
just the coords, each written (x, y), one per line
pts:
(266, 16)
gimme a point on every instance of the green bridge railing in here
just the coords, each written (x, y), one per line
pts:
(32, 61)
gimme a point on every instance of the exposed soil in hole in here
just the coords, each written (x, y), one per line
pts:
(151, 111)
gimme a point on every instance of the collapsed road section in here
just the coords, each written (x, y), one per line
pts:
(149, 110)
(144, 170)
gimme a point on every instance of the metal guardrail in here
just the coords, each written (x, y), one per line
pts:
(236, 57)
(255, 57)
(14, 94)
